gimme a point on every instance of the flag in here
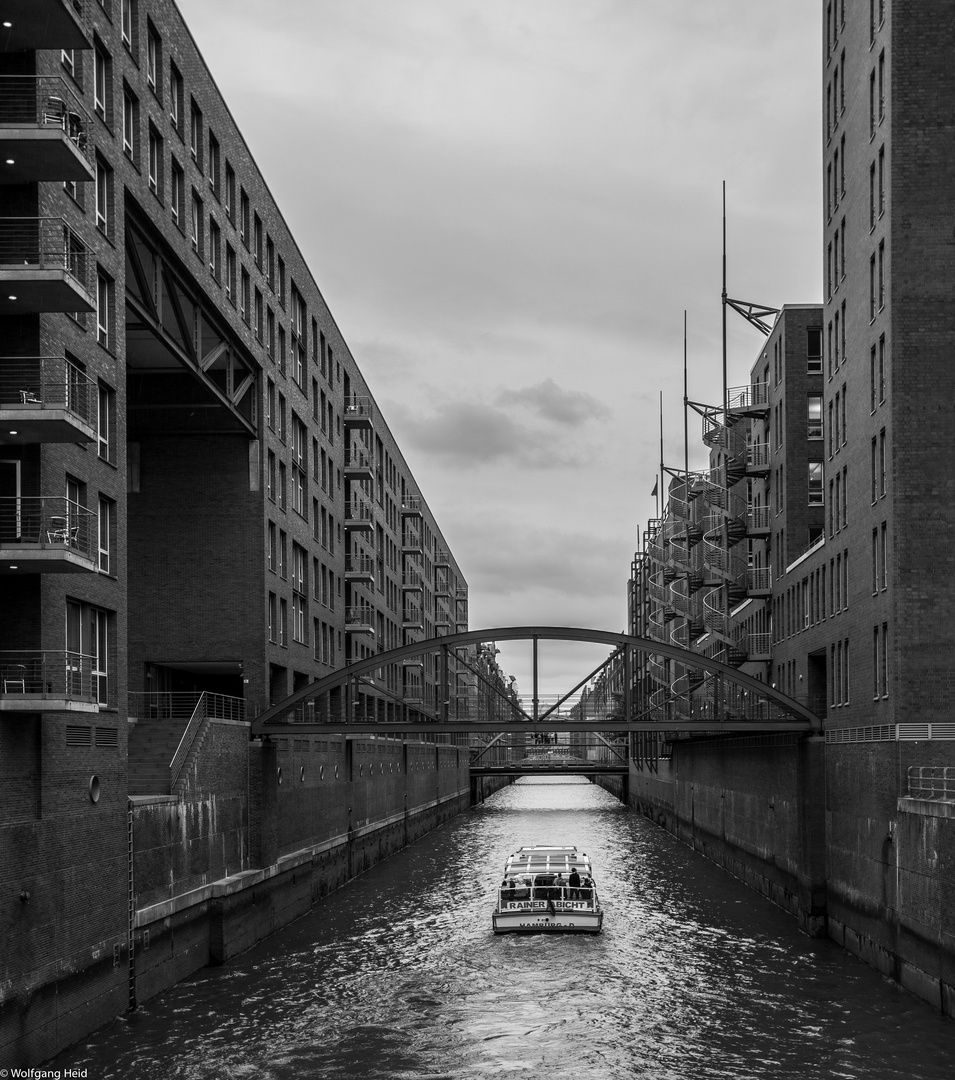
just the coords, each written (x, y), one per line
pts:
(654, 492)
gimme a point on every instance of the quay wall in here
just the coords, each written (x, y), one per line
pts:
(827, 831)
(259, 834)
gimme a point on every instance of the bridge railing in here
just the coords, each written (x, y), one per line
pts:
(931, 782)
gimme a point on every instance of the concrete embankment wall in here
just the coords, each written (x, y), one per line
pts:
(826, 832)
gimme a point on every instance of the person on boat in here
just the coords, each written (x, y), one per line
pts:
(574, 882)
(507, 889)
(558, 891)
(586, 888)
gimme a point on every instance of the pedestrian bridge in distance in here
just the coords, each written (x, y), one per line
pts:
(660, 688)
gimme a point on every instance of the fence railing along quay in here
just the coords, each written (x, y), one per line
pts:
(931, 782)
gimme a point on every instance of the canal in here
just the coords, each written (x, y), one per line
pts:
(398, 975)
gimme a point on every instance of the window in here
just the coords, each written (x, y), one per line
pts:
(230, 273)
(195, 224)
(283, 485)
(102, 78)
(273, 617)
(872, 105)
(175, 98)
(130, 125)
(214, 164)
(270, 404)
(881, 372)
(257, 240)
(270, 333)
(270, 476)
(283, 621)
(104, 296)
(299, 465)
(229, 192)
(884, 555)
(177, 192)
(153, 57)
(68, 60)
(813, 351)
(881, 86)
(244, 216)
(882, 463)
(814, 404)
(881, 275)
(281, 281)
(126, 22)
(815, 483)
(246, 296)
(105, 416)
(195, 133)
(257, 316)
(270, 262)
(155, 161)
(872, 202)
(872, 280)
(299, 594)
(106, 518)
(215, 240)
(87, 642)
(104, 182)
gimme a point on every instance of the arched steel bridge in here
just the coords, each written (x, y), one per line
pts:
(338, 703)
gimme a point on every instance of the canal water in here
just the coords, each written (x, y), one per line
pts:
(398, 975)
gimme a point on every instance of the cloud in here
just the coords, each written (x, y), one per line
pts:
(568, 407)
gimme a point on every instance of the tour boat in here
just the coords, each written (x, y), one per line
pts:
(529, 901)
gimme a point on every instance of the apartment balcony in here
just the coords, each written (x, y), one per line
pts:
(360, 619)
(411, 543)
(412, 619)
(759, 581)
(756, 647)
(442, 618)
(758, 459)
(359, 517)
(751, 400)
(411, 506)
(442, 557)
(44, 266)
(758, 520)
(48, 681)
(441, 586)
(47, 534)
(411, 581)
(45, 131)
(45, 399)
(360, 569)
(413, 662)
(358, 414)
(359, 464)
(45, 24)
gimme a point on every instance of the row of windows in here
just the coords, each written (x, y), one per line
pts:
(811, 601)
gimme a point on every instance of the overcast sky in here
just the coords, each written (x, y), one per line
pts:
(508, 204)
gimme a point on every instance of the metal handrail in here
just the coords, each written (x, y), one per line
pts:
(45, 243)
(46, 382)
(48, 673)
(357, 406)
(359, 564)
(46, 101)
(358, 457)
(358, 511)
(931, 782)
(47, 520)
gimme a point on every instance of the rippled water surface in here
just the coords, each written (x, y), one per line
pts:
(399, 976)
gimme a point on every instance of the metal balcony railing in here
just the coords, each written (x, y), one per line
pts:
(46, 101)
(758, 517)
(47, 520)
(442, 557)
(47, 382)
(931, 782)
(357, 408)
(410, 540)
(759, 578)
(359, 615)
(758, 455)
(411, 579)
(360, 564)
(59, 674)
(44, 243)
(358, 512)
(411, 504)
(357, 457)
(754, 396)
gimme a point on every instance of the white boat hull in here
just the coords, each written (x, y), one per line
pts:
(538, 917)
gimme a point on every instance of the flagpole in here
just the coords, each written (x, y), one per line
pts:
(661, 452)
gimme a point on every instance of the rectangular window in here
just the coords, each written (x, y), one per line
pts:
(872, 200)
(273, 617)
(270, 262)
(175, 98)
(815, 416)
(884, 555)
(257, 240)
(230, 192)
(104, 182)
(195, 225)
(153, 57)
(195, 134)
(106, 515)
(215, 240)
(281, 281)
(881, 86)
(882, 469)
(126, 22)
(104, 304)
(270, 333)
(813, 351)
(130, 124)
(815, 483)
(213, 164)
(246, 296)
(244, 216)
(881, 380)
(881, 180)
(283, 621)
(155, 161)
(177, 191)
(875, 561)
(881, 275)
(270, 476)
(102, 72)
(230, 273)
(105, 416)
(872, 104)
(872, 280)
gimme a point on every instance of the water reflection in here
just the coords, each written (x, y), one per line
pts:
(399, 976)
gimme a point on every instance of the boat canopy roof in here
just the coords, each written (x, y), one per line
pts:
(541, 859)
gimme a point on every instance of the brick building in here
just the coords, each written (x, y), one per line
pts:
(197, 489)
